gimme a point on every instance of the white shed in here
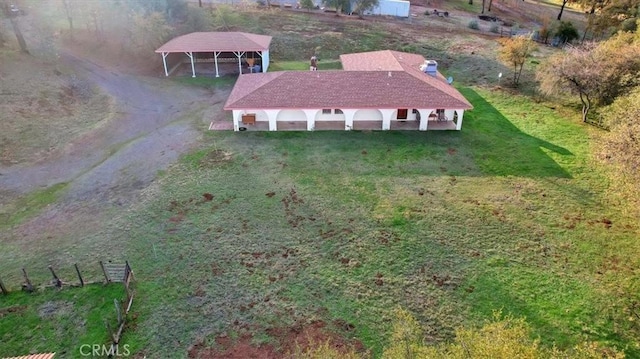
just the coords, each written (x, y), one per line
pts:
(397, 8)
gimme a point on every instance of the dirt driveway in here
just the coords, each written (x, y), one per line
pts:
(157, 120)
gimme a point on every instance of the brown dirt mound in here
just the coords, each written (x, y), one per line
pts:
(288, 340)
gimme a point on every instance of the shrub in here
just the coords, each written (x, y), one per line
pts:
(548, 29)
(473, 24)
(567, 32)
(501, 338)
(494, 28)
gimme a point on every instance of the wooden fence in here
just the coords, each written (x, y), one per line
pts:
(113, 273)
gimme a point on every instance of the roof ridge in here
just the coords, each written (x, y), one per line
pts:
(428, 79)
(268, 76)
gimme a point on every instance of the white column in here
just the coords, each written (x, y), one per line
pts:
(348, 118)
(424, 119)
(265, 60)
(272, 115)
(239, 55)
(215, 60)
(386, 118)
(164, 62)
(193, 69)
(311, 119)
(236, 119)
(459, 123)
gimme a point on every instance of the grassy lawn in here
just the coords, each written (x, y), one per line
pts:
(304, 65)
(57, 321)
(508, 214)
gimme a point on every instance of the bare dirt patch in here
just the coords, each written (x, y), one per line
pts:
(215, 158)
(297, 338)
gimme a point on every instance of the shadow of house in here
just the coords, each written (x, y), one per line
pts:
(489, 145)
(501, 149)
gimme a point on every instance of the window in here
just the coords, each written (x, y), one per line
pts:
(338, 111)
(326, 111)
(402, 113)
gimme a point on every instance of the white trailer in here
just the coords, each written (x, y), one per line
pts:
(397, 8)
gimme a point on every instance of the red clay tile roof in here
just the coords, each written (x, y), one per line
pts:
(385, 60)
(388, 60)
(217, 41)
(339, 89)
(379, 79)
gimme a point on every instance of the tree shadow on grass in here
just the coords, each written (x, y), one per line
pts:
(555, 309)
(501, 149)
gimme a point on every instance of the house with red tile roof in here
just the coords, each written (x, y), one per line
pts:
(379, 90)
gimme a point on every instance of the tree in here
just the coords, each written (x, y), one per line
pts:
(68, 6)
(150, 31)
(339, 5)
(621, 146)
(362, 6)
(606, 15)
(597, 73)
(307, 4)
(515, 51)
(16, 27)
(564, 3)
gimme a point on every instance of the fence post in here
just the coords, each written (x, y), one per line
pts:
(3, 288)
(57, 280)
(79, 275)
(111, 333)
(104, 271)
(118, 311)
(27, 286)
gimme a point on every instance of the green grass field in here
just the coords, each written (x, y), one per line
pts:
(57, 321)
(508, 214)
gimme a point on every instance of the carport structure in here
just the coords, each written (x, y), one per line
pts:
(216, 43)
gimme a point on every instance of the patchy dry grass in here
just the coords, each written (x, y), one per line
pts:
(44, 107)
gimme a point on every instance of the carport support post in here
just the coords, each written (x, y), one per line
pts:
(193, 69)
(239, 55)
(215, 60)
(164, 62)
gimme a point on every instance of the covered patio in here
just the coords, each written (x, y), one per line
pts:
(218, 47)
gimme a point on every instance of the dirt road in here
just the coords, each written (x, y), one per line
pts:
(149, 131)
(156, 121)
